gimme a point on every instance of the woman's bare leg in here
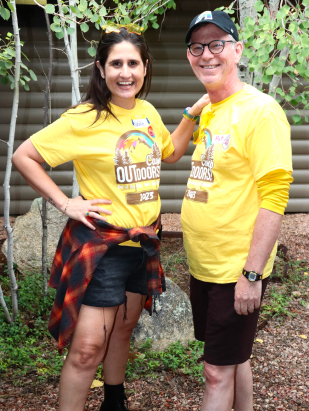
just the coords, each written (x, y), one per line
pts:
(90, 338)
(116, 357)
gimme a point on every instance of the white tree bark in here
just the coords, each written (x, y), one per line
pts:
(276, 79)
(274, 5)
(7, 225)
(5, 309)
(246, 8)
(75, 100)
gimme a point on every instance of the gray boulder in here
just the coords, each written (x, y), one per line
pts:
(27, 249)
(173, 321)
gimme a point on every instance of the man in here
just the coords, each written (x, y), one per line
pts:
(232, 211)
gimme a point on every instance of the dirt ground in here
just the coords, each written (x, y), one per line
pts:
(280, 359)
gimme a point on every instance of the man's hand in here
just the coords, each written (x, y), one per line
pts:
(247, 295)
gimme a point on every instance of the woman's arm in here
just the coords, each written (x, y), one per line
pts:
(182, 135)
(27, 160)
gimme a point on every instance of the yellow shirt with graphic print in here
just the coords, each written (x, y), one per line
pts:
(239, 140)
(116, 159)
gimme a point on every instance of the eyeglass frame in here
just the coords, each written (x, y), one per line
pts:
(207, 44)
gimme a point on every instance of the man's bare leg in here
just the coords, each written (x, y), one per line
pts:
(243, 388)
(219, 390)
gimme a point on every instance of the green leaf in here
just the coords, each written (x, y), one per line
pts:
(249, 21)
(84, 27)
(259, 5)
(11, 7)
(82, 5)
(4, 13)
(59, 35)
(92, 51)
(26, 87)
(94, 18)
(65, 9)
(11, 52)
(12, 86)
(270, 70)
(307, 12)
(50, 8)
(155, 25)
(73, 9)
(266, 79)
(103, 11)
(56, 28)
(8, 64)
(4, 80)
(297, 120)
(33, 75)
(305, 2)
(70, 30)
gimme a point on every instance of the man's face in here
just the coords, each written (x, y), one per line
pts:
(215, 70)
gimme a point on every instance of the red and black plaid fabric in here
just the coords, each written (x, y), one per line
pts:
(78, 253)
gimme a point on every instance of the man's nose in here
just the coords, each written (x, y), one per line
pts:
(207, 54)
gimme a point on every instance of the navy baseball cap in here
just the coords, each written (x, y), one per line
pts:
(219, 18)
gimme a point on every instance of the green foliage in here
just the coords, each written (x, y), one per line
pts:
(7, 65)
(176, 358)
(88, 12)
(288, 277)
(277, 43)
(25, 346)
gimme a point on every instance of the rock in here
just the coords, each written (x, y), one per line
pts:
(296, 294)
(173, 321)
(27, 248)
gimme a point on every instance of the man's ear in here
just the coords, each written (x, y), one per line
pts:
(189, 56)
(238, 50)
(100, 68)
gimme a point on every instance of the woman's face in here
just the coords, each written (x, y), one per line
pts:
(124, 74)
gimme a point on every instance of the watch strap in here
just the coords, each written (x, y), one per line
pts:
(252, 275)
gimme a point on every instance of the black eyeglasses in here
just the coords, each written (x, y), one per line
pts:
(215, 47)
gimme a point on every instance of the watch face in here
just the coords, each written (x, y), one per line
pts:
(252, 276)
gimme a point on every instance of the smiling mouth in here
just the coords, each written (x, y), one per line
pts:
(210, 67)
(125, 83)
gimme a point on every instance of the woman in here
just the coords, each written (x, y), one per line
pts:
(116, 142)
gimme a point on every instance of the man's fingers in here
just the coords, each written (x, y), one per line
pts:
(257, 303)
(237, 307)
(244, 308)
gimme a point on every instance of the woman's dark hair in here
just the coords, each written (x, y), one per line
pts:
(97, 93)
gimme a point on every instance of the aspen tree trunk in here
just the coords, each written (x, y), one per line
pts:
(246, 8)
(75, 100)
(47, 120)
(7, 225)
(5, 309)
(284, 54)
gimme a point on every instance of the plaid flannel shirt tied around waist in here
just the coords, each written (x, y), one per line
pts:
(78, 254)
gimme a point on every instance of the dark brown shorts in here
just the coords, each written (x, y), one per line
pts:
(228, 336)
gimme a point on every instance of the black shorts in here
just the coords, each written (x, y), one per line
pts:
(228, 336)
(121, 269)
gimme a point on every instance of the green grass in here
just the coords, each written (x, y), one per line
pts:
(288, 276)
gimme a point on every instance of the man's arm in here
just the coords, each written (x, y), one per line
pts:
(265, 234)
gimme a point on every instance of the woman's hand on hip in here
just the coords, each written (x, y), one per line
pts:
(79, 209)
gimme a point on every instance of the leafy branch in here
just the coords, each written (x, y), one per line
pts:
(276, 44)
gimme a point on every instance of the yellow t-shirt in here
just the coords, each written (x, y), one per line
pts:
(239, 140)
(115, 160)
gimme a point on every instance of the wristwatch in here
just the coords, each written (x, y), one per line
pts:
(252, 275)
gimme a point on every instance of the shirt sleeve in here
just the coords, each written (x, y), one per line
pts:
(274, 190)
(56, 143)
(167, 144)
(268, 146)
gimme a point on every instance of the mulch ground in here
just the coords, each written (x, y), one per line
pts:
(280, 364)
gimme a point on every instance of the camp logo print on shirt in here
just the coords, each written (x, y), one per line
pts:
(201, 171)
(131, 173)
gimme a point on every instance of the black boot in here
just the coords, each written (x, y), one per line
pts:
(114, 398)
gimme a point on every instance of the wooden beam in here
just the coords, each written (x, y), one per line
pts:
(31, 2)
